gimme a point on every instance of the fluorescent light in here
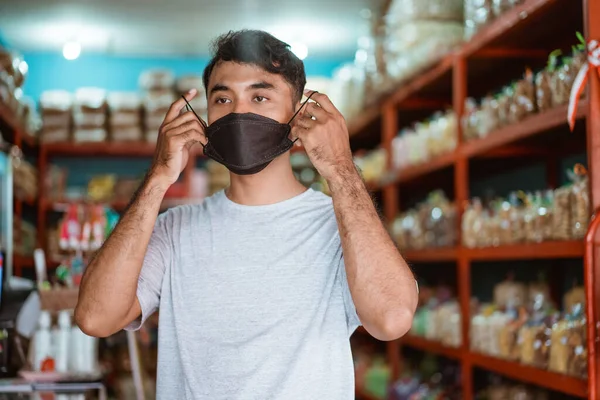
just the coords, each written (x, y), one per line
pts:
(71, 50)
(300, 50)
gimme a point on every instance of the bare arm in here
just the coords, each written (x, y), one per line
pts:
(107, 294)
(381, 284)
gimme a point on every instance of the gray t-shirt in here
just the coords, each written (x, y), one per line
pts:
(254, 301)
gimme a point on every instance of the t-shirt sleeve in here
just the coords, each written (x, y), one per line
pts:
(158, 257)
(352, 319)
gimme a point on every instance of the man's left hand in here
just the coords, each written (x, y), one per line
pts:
(322, 130)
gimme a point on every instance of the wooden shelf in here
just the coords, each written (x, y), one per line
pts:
(431, 346)
(529, 251)
(440, 254)
(523, 251)
(14, 126)
(416, 171)
(533, 125)
(510, 22)
(514, 370)
(101, 149)
(546, 379)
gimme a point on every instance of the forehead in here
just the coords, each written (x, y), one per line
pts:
(240, 76)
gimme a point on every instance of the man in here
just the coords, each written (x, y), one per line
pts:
(256, 300)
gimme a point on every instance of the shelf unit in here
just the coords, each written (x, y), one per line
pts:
(15, 133)
(507, 39)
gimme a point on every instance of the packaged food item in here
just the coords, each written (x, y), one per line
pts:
(523, 103)
(509, 344)
(488, 120)
(156, 79)
(561, 221)
(578, 353)
(516, 216)
(125, 109)
(545, 82)
(472, 223)
(56, 115)
(470, 119)
(477, 14)
(580, 203)
(504, 213)
(510, 294)
(402, 10)
(89, 108)
(574, 299)
(505, 101)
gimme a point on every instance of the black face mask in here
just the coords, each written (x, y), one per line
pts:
(246, 143)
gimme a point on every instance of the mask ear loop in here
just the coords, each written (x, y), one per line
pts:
(189, 108)
(299, 109)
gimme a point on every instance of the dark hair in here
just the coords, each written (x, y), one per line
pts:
(261, 49)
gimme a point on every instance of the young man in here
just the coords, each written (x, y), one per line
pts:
(261, 286)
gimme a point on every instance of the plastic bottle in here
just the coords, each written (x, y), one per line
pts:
(62, 336)
(42, 342)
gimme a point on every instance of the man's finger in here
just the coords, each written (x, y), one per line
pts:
(189, 137)
(180, 120)
(312, 109)
(178, 105)
(304, 122)
(323, 101)
(178, 130)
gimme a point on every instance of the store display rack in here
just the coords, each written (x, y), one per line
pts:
(15, 133)
(506, 40)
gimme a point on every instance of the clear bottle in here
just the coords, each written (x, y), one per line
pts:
(42, 342)
(62, 336)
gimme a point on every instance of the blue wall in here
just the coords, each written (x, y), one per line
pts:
(50, 70)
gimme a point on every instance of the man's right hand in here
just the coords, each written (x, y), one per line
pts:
(178, 134)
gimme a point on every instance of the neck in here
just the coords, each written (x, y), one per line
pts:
(272, 185)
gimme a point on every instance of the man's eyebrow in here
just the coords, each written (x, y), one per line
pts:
(261, 85)
(219, 88)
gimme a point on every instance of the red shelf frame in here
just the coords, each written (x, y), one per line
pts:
(495, 41)
(548, 379)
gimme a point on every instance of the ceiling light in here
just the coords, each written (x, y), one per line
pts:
(300, 50)
(71, 50)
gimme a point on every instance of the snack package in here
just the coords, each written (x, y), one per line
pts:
(156, 79)
(543, 90)
(505, 100)
(488, 120)
(508, 342)
(472, 223)
(509, 294)
(470, 120)
(561, 220)
(580, 203)
(89, 108)
(523, 103)
(477, 14)
(55, 108)
(125, 110)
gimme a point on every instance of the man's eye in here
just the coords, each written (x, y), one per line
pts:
(222, 100)
(260, 99)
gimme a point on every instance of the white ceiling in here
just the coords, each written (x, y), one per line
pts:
(181, 27)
